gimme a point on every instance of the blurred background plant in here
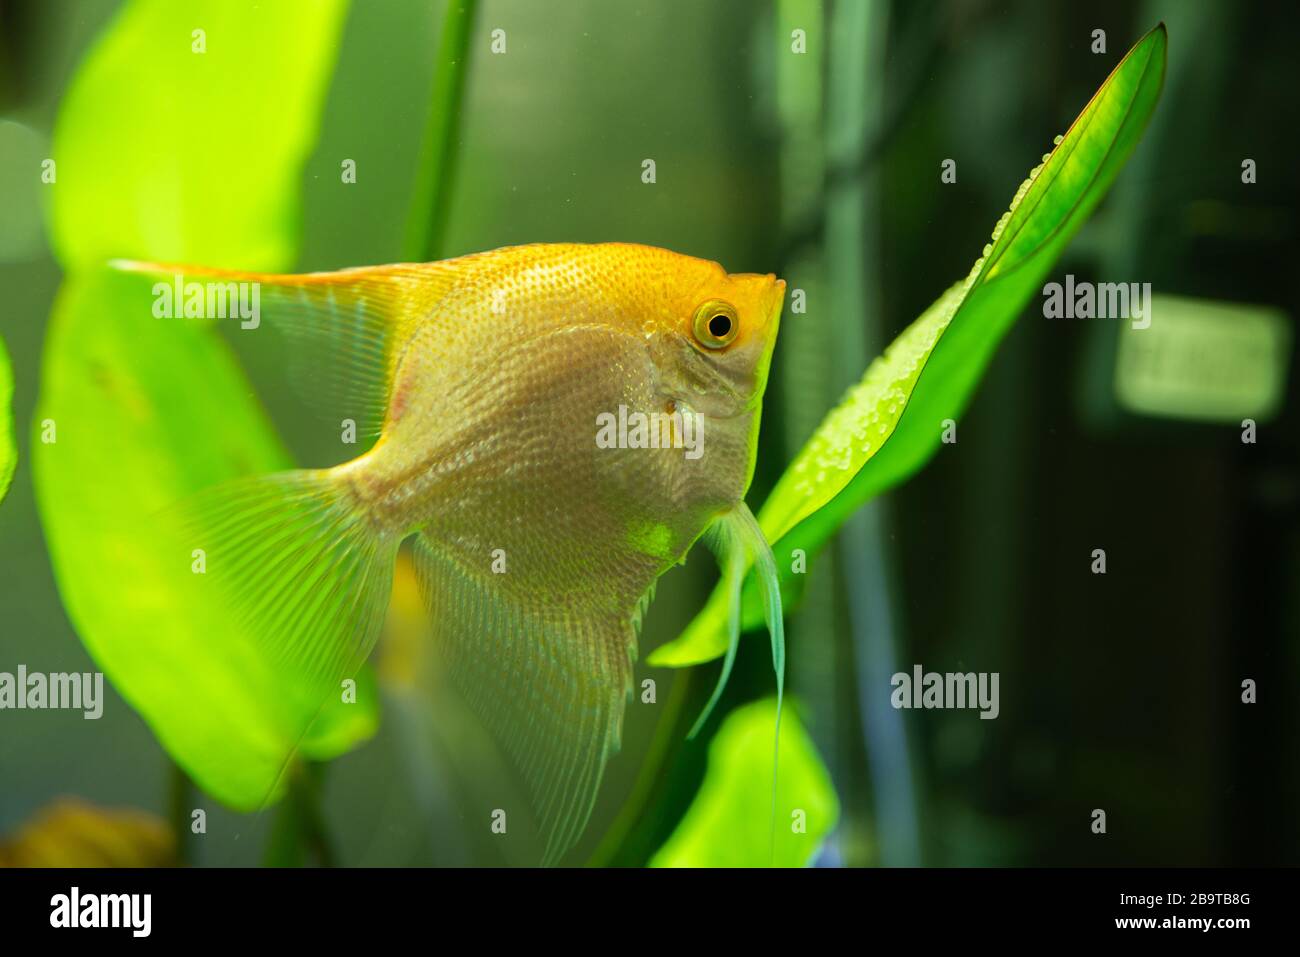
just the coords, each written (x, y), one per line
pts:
(1121, 691)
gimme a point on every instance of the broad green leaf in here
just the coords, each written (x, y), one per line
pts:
(166, 153)
(137, 413)
(729, 824)
(891, 422)
(8, 450)
(143, 412)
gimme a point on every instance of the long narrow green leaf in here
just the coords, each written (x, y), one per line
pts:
(892, 421)
(427, 226)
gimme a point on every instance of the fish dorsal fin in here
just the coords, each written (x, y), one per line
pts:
(549, 683)
(344, 330)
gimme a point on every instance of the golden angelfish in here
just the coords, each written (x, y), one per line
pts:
(538, 530)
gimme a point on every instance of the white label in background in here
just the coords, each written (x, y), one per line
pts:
(1204, 360)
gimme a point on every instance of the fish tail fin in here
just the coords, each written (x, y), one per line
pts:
(302, 570)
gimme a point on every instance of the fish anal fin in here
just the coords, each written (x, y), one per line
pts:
(551, 686)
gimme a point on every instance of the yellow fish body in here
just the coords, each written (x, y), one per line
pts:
(557, 425)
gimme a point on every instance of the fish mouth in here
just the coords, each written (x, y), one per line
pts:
(775, 299)
(770, 296)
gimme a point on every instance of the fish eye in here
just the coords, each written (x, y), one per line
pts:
(716, 324)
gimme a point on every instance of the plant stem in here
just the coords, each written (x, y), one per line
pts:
(179, 796)
(854, 114)
(299, 826)
(652, 773)
(426, 226)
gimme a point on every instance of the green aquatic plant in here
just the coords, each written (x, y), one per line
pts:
(8, 450)
(241, 75)
(892, 421)
(171, 414)
(426, 226)
(727, 824)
